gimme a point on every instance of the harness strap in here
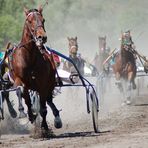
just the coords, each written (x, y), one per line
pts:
(49, 56)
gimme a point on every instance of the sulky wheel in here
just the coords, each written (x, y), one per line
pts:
(1, 107)
(94, 112)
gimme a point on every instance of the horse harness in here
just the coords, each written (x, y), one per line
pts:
(46, 55)
(125, 63)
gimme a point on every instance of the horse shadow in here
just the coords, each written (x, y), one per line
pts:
(80, 134)
(141, 104)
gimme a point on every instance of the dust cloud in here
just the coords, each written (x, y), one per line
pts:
(87, 20)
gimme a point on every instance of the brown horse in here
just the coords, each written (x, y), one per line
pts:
(125, 64)
(32, 69)
(73, 46)
(73, 54)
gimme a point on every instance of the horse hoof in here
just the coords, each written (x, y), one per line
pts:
(128, 102)
(123, 104)
(47, 133)
(33, 118)
(58, 122)
(13, 113)
(22, 115)
(44, 126)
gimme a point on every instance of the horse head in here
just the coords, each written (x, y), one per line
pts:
(32, 71)
(73, 46)
(35, 26)
(102, 43)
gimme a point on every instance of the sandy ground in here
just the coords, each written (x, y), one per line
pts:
(120, 126)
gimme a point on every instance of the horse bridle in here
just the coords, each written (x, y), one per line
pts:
(74, 46)
(37, 40)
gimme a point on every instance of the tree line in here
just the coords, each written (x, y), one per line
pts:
(11, 20)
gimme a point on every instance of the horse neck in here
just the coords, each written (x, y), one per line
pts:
(127, 56)
(124, 51)
(102, 44)
(27, 39)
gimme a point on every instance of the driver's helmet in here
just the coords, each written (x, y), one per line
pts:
(126, 38)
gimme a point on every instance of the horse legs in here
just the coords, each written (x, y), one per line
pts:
(131, 77)
(117, 75)
(129, 87)
(128, 92)
(134, 84)
(43, 113)
(26, 96)
(57, 120)
(19, 92)
(12, 111)
(118, 82)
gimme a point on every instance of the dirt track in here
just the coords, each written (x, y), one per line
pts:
(120, 126)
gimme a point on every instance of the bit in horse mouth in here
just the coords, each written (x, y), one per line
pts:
(40, 41)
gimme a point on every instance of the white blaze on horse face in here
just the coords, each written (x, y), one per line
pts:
(39, 42)
(73, 51)
(40, 31)
(73, 48)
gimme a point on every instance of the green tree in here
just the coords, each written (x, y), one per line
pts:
(12, 19)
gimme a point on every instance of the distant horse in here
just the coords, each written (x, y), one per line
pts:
(101, 56)
(32, 68)
(103, 70)
(125, 64)
(73, 54)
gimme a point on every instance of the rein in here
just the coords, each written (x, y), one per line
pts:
(37, 25)
(37, 40)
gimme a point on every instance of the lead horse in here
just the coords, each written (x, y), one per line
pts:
(32, 68)
(124, 65)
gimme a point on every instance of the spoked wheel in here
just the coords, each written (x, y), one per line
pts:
(94, 112)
